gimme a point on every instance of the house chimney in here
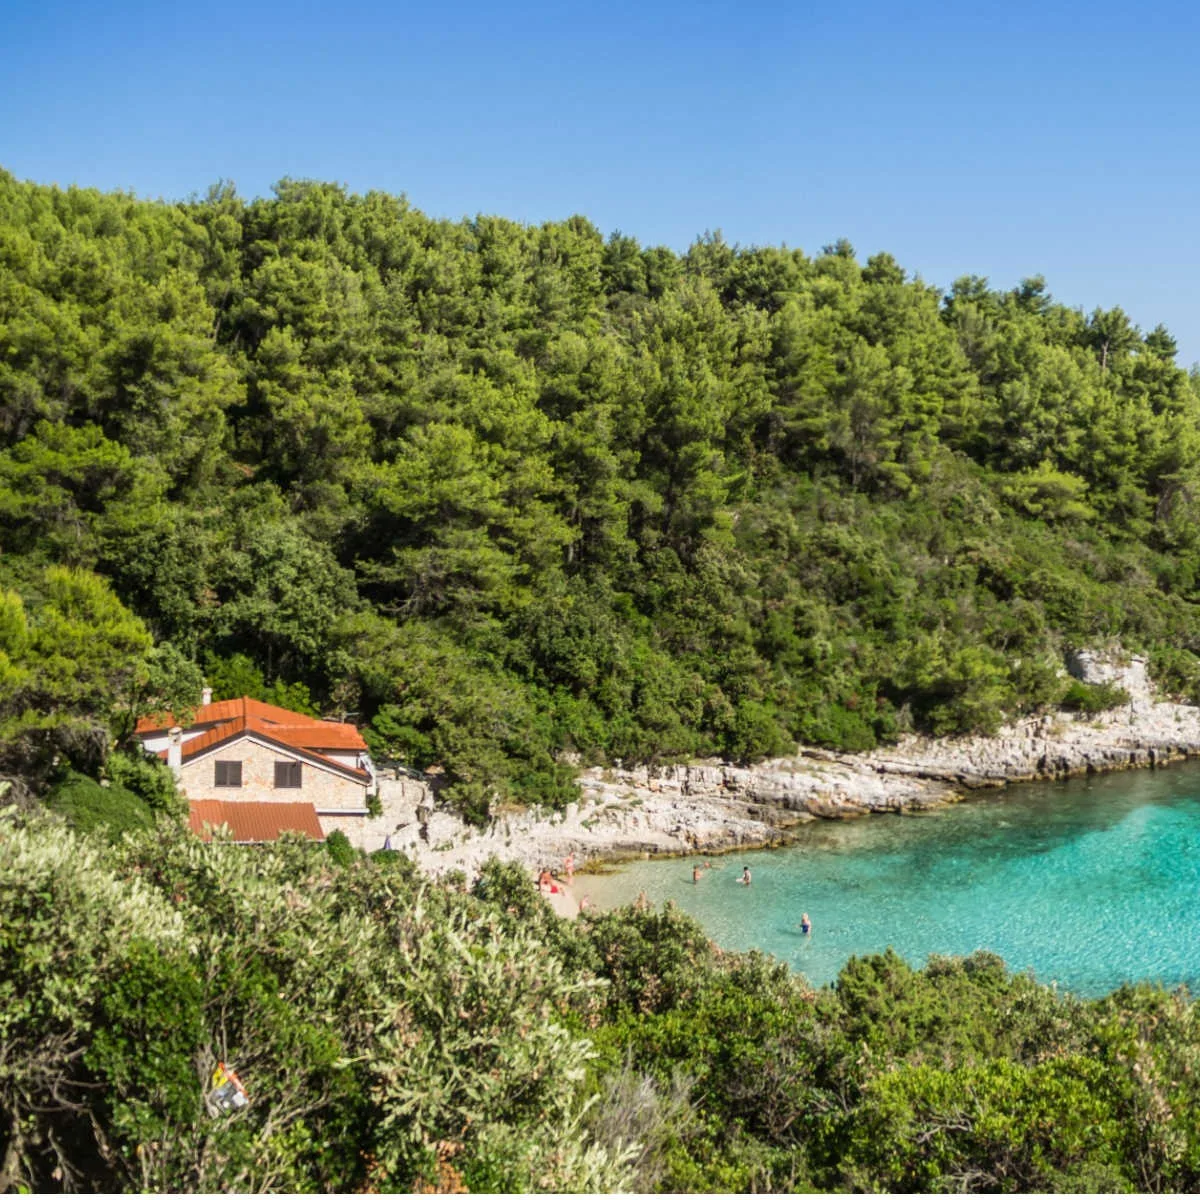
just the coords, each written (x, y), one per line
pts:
(206, 697)
(175, 750)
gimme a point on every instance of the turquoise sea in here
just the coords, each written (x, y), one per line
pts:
(1089, 883)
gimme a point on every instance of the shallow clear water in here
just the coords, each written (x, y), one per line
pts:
(1089, 883)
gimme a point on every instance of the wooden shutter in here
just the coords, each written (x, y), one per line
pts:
(287, 774)
(228, 774)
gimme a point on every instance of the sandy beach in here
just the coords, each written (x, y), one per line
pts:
(564, 899)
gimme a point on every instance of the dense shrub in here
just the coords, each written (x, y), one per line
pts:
(1093, 697)
(337, 846)
(394, 1033)
(389, 1034)
(150, 778)
(88, 805)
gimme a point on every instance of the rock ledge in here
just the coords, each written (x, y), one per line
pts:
(711, 807)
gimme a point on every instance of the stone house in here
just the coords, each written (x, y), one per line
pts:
(235, 754)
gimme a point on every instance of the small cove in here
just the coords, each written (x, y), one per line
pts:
(1089, 883)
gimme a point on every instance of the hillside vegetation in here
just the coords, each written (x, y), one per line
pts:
(516, 497)
(394, 1034)
(506, 492)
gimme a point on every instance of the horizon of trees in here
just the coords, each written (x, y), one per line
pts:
(505, 492)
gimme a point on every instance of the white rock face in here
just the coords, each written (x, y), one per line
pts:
(710, 807)
(1094, 666)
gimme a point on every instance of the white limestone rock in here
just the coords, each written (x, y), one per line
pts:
(1097, 666)
(709, 806)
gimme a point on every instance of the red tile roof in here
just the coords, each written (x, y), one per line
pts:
(303, 730)
(210, 737)
(232, 718)
(325, 735)
(254, 822)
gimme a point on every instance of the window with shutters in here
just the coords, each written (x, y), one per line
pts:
(229, 774)
(287, 774)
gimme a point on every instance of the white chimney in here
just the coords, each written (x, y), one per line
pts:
(206, 697)
(175, 749)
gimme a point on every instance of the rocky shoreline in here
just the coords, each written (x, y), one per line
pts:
(713, 807)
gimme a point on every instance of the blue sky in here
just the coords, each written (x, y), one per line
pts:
(1000, 140)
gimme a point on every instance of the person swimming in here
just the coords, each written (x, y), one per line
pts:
(746, 876)
(695, 874)
(805, 923)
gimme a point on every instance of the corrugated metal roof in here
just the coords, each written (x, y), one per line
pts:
(252, 821)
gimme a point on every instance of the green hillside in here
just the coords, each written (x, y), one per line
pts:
(518, 497)
(504, 492)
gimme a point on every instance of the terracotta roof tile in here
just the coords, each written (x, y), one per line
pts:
(250, 821)
(231, 717)
(227, 710)
(211, 737)
(323, 736)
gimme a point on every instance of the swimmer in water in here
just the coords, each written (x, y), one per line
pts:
(695, 874)
(746, 876)
(805, 923)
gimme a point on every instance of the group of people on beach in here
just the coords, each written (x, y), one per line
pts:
(552, 884)
(546, 881)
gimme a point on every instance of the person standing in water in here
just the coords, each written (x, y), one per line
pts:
(805, 923)
(746, 876)
(695, 874)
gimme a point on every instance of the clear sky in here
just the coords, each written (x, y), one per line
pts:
(1002, 140)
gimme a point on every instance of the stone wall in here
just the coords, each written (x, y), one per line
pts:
(406, 807)
(322, 788)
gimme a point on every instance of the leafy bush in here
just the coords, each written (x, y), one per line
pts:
(338, 847)
(88, 805)
(150, 778)
(838, 727)
(1093, 697)
(998, 1126)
